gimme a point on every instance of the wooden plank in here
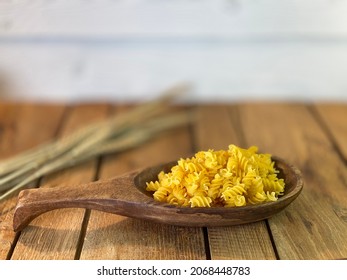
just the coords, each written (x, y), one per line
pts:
(333, 116)
(114, 237)
(82, 70)
(22, 126)
(151, 18)
(217, 128)
(55, 235)
(314, 226)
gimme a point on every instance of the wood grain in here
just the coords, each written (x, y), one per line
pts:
(333, 117)
(55, 235)
(22, 126)
(290, 131)
(249, 241)
(115, 237)
(217, 128)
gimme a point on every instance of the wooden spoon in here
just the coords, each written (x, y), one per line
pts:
(126, 195)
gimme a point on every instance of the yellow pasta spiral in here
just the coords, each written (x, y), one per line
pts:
(232, 177)
(200, 201)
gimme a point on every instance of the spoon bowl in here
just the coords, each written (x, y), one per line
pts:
(126, 195)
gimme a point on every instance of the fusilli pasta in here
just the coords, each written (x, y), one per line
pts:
(233, 177)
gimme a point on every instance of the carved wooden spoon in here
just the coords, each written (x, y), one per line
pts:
(126, 195)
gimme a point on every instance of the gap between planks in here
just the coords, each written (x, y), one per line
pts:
(55, 234)
(115, 237)
(219, 126)
(313, 227)
(19, 122)
(323, 116)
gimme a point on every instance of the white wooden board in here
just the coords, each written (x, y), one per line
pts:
(129, 49)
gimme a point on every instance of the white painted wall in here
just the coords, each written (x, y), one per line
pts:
(124, 50)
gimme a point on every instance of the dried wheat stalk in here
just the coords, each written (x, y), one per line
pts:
(115, 134)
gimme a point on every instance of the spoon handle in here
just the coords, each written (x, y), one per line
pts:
(117, 195)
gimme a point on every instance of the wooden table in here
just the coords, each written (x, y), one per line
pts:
(310, 136)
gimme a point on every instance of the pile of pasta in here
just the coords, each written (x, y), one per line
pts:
(233, 177)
